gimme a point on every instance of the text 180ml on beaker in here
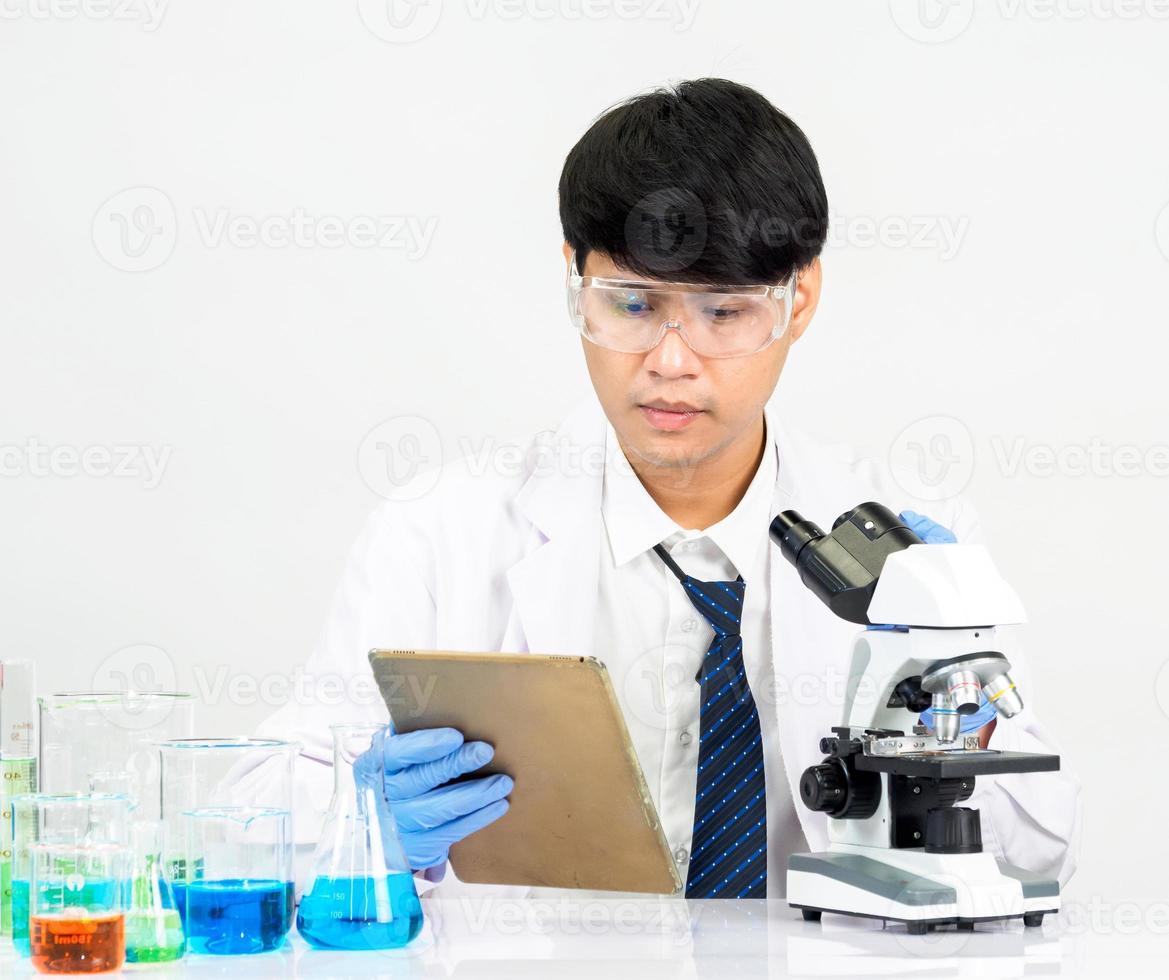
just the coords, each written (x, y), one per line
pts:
(239, 891)
(58, 818)
(77, 907)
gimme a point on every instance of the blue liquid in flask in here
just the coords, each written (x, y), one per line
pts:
(360, 913)
(232, 916)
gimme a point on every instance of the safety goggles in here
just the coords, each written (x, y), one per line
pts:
(632, 316)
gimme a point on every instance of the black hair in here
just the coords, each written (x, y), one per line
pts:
(703, 181)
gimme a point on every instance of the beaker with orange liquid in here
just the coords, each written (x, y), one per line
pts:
(77, 907)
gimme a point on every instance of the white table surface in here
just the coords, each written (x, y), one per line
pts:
(513, 939)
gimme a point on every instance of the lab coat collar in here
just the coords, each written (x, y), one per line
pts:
(635, 523)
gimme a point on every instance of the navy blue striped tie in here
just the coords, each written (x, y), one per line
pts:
(728, 850)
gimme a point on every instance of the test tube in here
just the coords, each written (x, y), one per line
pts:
(18, 763)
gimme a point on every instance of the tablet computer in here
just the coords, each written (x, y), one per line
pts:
(581, 815)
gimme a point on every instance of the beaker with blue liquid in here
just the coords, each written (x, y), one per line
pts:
(239, 890)
(362, 894)
(226, 809)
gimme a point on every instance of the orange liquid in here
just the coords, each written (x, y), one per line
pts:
(67, 944)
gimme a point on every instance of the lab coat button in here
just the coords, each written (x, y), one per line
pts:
(688, 625)
(685, 738)
(681, 855)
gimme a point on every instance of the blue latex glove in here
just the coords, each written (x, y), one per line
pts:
(929, 531)
(410, 771)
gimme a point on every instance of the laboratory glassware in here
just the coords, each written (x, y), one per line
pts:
(18, 763)
(78, 907)
(362, 894)
(239, 891)
(218, 772)
(154, 928)
(87, 736)
(69, 818)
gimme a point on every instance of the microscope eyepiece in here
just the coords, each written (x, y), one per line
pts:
(791, 531)
(842, 567)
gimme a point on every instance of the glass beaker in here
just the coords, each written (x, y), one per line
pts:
(154, 928)
(68, 818)
(239, 890)
(362, 894)
(78, 905)
(198, 773)
(91, 734)
(18, 764)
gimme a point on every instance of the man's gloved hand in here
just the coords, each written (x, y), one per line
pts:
(929, 531)
(408, 771)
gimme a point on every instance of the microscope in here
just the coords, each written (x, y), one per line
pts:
(901, 848)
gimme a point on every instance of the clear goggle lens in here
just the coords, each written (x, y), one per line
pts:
(633, 318)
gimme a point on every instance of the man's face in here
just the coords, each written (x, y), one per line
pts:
(715, 401)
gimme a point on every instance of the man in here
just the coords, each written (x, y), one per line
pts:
(669, 478)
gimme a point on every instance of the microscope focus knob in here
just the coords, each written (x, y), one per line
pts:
(953, 830)
(824, 787)
(837, 788)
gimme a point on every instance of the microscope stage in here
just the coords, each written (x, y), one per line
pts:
(955, 764)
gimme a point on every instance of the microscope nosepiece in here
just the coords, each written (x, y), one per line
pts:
(1002, 693)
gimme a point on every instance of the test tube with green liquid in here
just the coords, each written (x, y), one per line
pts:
(18, 763)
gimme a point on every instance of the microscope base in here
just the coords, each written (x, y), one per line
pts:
(922, 890)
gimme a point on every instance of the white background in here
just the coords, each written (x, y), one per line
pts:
(1032, 133)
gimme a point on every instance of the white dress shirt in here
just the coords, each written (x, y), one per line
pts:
(653, 640)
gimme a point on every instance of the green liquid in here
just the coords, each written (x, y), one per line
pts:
(153, 936)
(17, 776)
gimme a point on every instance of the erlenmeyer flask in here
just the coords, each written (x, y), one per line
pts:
(154, 930)
(362, 894)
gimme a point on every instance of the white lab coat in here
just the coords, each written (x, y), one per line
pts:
(507, 560)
